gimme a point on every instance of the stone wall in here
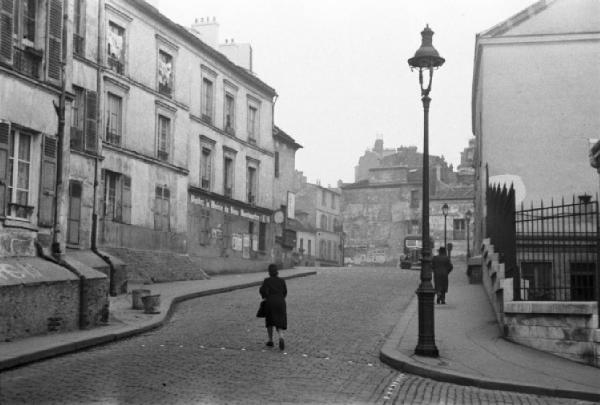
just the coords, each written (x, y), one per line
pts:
(36, 297)
(566, 329)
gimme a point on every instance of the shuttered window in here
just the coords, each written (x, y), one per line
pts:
(115, 48)
(251, 180)
(4, 173)
(48, 181)
(55, 42)
(83, 121)
(206, 168)
(74, 216)
(114, 114)
(79, 27)
(207, 100)
(228, 176)
(117, 197)
(6, 30)
(162, 208)
(164, 135)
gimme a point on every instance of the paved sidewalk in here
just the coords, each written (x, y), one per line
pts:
(125, 321)
(472, 351)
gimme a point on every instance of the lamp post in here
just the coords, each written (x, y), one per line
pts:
(468, 216)
(426, 59)
(445, 212)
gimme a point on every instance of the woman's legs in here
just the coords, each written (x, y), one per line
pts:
(270, 333)
(281, 341)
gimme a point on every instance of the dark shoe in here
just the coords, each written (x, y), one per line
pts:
(270, 344)
(281, 344)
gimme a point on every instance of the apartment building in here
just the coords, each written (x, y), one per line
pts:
(320, 207)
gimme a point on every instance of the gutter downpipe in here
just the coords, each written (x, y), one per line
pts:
(112, 288)
(57, 255)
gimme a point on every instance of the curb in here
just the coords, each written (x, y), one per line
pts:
(132, 331)
(399, 361)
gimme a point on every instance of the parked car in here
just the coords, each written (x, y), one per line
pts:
(412, 247)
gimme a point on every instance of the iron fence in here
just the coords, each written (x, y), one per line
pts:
(557, 250)
(552, 252)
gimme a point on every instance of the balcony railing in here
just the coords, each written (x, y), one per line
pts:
(228, 192)
(251, 198)
(163, 155)
(207, 118)
(76, 138)
(78, 45)
(27, 61)
(205, 184)
(114, 138)
(165, 89)
(116, 65)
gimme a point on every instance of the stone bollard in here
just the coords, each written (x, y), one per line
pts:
(151, 304)
(136, 298)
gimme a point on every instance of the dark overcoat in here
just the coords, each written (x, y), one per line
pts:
(441, 267)
(274, 291)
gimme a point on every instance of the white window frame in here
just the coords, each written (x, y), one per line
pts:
(12, 189)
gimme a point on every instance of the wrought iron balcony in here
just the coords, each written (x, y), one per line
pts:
(27, 61)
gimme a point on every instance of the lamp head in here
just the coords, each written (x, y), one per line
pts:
(426, 56)
(468, 215)
(445, 209)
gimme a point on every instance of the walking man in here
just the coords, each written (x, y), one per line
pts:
(442, 266)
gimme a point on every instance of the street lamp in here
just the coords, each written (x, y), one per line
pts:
(468, 216)
(445, 212)
(426, 59)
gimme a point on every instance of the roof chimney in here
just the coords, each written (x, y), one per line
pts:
(207, 31)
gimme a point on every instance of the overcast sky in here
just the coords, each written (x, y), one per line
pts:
(340, 69)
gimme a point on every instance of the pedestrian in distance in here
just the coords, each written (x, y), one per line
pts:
(442, 266)
(273, 290)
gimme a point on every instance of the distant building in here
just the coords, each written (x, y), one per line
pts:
(284, 178)
(535, 103)
(383, 206)
(321, 206)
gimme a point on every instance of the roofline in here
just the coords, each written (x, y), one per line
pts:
(356, 186)
(285, 138)
(199, 44)
(517, 18)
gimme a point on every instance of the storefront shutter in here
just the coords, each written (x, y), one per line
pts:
(126, 196)
(55, 28)
(91, 130)
(48, 181)
(4, 154)
(6, 30)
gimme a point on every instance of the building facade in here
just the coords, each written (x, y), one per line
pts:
(321, 207)
(383, 207)
(532, 118)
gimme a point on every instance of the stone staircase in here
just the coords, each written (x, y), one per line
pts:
(145, 266)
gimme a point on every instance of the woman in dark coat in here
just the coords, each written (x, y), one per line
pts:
(274, 291)
(441, 268)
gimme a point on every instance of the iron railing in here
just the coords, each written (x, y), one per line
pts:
(557, 250)
(552, 252)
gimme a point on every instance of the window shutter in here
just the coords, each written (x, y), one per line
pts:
(6, 30)
(55, 28)
(48, 181)
(91, 131)
(4, 154)
(126, 197)
(103, 194)
(74, 218)
(166, 205)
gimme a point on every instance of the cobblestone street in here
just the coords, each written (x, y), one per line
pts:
(212, 351)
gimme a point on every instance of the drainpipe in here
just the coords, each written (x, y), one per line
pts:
(94, 242)
(60, 112)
